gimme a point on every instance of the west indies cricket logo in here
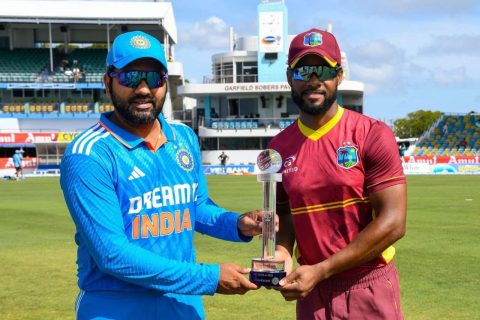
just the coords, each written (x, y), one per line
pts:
(347, 157)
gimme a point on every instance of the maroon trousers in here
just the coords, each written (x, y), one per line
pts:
(371, 296)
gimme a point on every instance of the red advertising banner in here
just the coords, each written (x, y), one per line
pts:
(30, 137)
(441, 159)
(441, 165)
(27, 163)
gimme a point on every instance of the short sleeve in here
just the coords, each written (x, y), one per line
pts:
(383, 167)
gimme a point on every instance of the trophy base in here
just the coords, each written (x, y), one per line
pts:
(267, 272)
(267, 278)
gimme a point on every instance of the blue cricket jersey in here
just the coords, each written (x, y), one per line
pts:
(136, 211)
(17, 160)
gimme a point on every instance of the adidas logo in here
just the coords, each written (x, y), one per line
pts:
(136, 173)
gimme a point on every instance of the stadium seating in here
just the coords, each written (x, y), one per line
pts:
(461, 136)
(91, 60)
(285, 123)
(78, 108)
(237, 124)
(33, 65)
(105, 107)
(13, 108)
(22, 65)
(44, 107)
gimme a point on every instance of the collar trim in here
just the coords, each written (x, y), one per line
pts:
(323, 130)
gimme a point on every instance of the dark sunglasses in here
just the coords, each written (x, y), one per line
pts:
(132, 78)
(304, 73)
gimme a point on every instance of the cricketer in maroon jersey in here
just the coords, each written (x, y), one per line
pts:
(342, 199)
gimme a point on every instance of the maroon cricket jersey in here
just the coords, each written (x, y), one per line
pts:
(327, 177)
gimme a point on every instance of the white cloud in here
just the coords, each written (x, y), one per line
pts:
(377, 78)
(379, 64)
(449, 76)
(211, 33)
(453, 44)
(378, 52)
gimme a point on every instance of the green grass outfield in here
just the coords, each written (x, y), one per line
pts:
(438, 260)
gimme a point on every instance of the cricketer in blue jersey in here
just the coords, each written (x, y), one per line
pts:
(134, 186)
(17, 163)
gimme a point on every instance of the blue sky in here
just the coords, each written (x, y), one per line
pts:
(411, 54)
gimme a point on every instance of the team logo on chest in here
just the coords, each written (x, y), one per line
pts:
(347, 157)
(185, 159)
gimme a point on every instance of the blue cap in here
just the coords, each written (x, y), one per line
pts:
(134, 45)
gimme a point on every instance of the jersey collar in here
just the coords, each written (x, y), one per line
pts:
(128, 139)
(320, 132)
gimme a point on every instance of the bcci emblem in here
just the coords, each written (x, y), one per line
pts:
(313, 39)
(184, 160)
(140, 42)
(347, 157)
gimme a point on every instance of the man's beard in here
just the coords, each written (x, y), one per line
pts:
(134, 115)
(314, 110)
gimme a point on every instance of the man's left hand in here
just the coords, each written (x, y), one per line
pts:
(299, 283)
(250, 223)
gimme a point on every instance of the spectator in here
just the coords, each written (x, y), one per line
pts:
(17, 163)
(76, 74)
(65, 64)
(68, 72)
(82, 75)
(445, 130)
(223, 158)
(462, 144)
(214, 114)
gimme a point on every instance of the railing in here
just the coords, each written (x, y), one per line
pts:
(184, 116)
(240, 78)
(246, 123)
(429, 130)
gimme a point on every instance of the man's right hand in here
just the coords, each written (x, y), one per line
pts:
(233, 281)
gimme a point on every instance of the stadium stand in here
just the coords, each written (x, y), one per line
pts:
(32, 65)
(105, 107)
(13, 108)
(52, 64)
(81, 65)
(285, 123)
(235, 124)
(22, 65)
(453, 135)
(248, 123)
(90, 59)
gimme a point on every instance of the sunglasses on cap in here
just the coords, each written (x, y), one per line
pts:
(304, 73)
(132, 78)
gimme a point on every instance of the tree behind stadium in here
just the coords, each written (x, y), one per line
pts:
(415, 123)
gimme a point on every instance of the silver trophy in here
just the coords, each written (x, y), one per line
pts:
(267, 270)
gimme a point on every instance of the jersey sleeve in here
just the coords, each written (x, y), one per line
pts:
(383, 167)
(90, 195)
(211, 219)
